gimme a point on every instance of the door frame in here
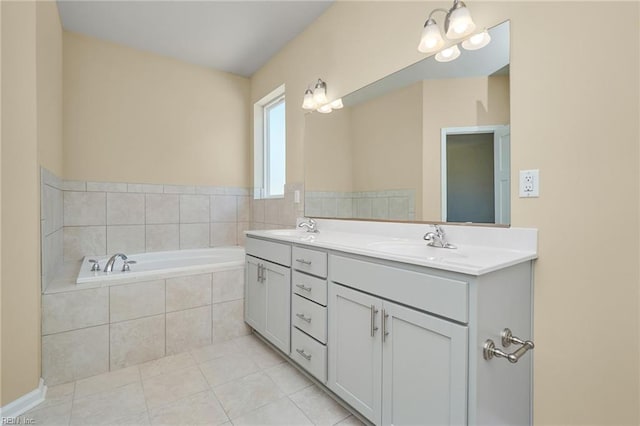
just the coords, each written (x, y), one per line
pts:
(467, 130)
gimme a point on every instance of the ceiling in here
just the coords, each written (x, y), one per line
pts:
(236, 36)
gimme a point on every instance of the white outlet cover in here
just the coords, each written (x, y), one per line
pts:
(529, 183)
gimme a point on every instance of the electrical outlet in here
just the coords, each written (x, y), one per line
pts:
(529, 183)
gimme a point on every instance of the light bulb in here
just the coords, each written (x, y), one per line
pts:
(325, 109)
(459, 22)
(337, 104)
(448, 54)
(431, 39)
(308, 102)
(477, 41)
(320, 93)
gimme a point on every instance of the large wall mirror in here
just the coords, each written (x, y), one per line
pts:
(427, 143)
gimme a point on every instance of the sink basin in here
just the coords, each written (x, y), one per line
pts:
(415, 249)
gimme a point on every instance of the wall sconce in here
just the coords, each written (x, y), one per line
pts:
(457, 24)
(316, 99)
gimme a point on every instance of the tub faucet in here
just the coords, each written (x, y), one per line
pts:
(109, 266)
(437, 238)
(310, 224)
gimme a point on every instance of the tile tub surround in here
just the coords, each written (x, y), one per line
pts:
(107, 328)
(51, 225)
(241, 380)
(97, 218)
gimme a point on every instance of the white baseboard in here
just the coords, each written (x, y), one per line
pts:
(25, 402)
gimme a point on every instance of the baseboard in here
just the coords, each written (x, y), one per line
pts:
(24, 403)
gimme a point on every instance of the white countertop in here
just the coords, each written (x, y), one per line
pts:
(480, 250)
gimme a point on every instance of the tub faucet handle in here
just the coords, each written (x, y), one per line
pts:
(95, 265)
(126, 267)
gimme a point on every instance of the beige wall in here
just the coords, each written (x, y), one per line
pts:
(328, 151)
(20, 205)
(565, 121)
(49, 85)
(480, 101)
(132, 116)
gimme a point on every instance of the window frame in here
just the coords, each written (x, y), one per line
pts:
(261, 169)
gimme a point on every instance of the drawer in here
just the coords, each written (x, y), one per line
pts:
(309, 317)
(431, 293)
(269, 250)
(312, 262)
(310, 287)
(309, 354)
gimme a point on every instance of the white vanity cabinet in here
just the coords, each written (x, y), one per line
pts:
(268, 291)
(402, 342)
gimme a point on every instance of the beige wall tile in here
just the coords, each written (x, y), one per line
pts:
(137, 300)
(188, 329)
(228, 285)
(82, 241)
(126, 239)
(162, 208)
(194, 208)
(162, 237)
(223, 234)
(125, 209)
(224, 208)
(136, 341)
(194, 235)
(228, 321)
(73, 310)
(188, 292)
(84, 208)
(74, 355)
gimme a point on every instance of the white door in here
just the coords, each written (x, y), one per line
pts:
(502, 174)
(355, 350)
(424, 369)
(278, 305)
(255, 296)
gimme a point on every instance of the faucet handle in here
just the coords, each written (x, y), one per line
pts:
(438, 229)
(95, 265)
(126, 267)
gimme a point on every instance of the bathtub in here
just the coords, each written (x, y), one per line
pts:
(164, 264)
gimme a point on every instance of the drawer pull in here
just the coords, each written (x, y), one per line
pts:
(303, 318)
(303, 261)
(385, 317)
(302, 287)
(303, 354)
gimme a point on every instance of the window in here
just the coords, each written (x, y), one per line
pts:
(270, 145)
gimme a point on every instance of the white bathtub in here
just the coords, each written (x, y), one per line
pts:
(164, 264)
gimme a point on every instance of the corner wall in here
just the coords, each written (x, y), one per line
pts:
(20, 205)
(133, 116)
(571, 111)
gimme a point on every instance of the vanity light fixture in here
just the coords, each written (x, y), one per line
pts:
(316, 99)
(477, 41)
(457, 24)
(449, 54)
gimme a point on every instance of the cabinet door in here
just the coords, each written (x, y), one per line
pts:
(355, 349)
(255, 296)
(424, 369)
(278, 305)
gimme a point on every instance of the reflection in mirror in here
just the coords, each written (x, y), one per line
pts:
(427, 143)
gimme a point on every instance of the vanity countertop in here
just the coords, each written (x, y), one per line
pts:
(471, 259)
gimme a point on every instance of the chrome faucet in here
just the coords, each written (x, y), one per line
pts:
(109, 266)
(310, 224)
(437, 238)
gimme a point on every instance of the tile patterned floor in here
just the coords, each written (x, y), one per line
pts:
(238, 382)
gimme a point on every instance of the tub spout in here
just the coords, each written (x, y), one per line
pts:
(109, 266)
